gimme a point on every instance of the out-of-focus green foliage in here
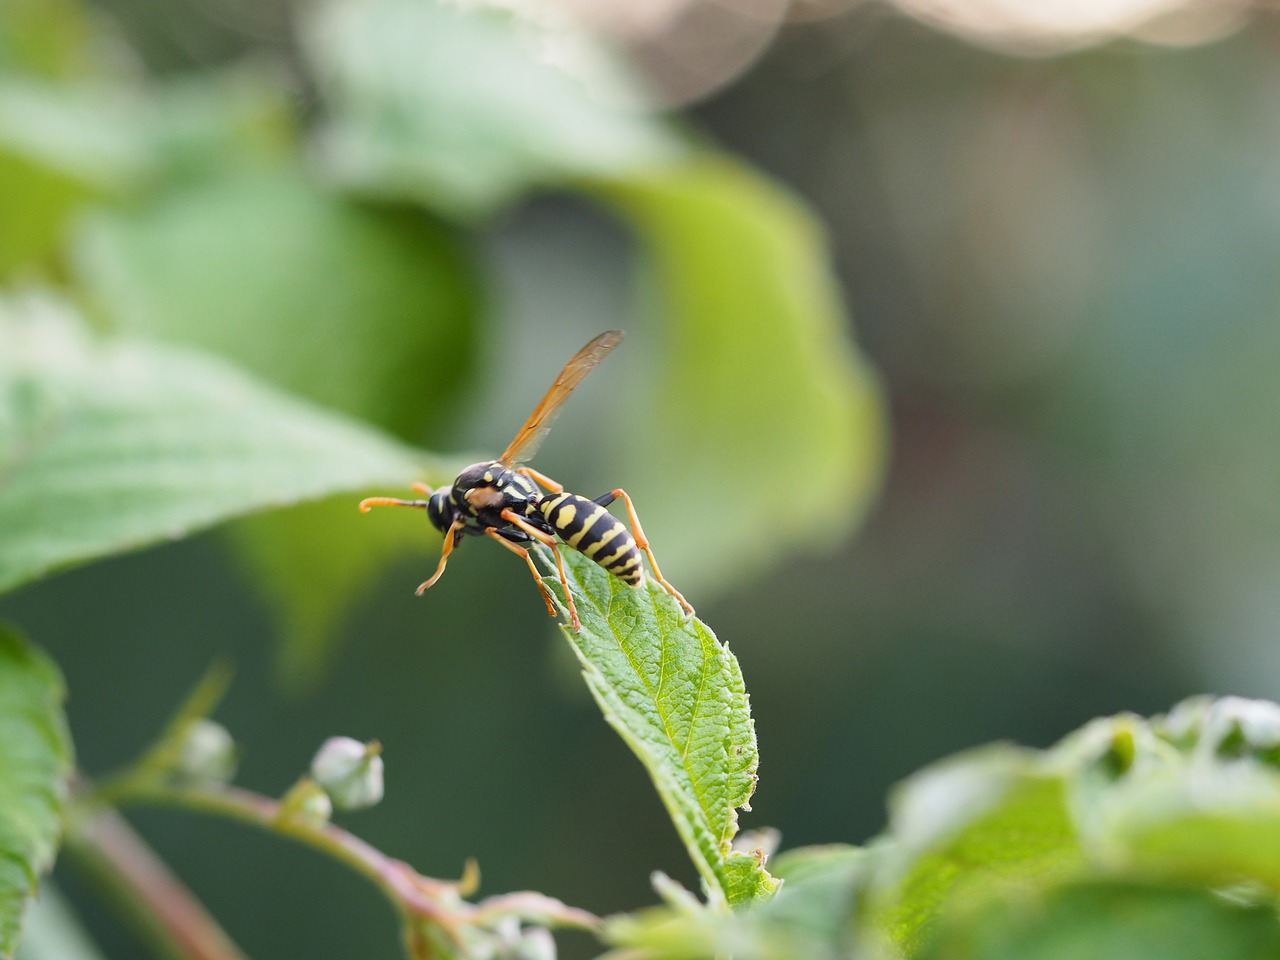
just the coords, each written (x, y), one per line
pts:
(464, 108)
(675, 694)
(1094, 847)
(35, 764)
(110, 444)
(757, 388)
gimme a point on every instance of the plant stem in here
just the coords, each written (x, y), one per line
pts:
(160, 904)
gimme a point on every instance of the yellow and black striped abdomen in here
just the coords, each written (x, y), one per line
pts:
(596, 533)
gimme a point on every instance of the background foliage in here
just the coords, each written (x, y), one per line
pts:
(1063, 270)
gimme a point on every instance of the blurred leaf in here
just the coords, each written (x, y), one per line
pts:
(54, 932)
(59, 148)
(51, 39)
(760, 393)
(810, 917)
(675, 694)
(108, 445)
(463, 107)
(369, 310)
(35, 763)
(1115, 921)
(991, 821)
(363, 309)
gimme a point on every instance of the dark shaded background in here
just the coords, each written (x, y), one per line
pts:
(1065, 270)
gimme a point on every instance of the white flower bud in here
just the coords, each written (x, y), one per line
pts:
(208, 754)
(306, 801)
(349, 771)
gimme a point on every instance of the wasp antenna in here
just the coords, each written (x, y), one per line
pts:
(368, 503)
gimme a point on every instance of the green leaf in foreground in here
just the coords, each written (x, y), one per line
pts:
(35, 762)
(108, 445)
(675, 694)
(1116, 921)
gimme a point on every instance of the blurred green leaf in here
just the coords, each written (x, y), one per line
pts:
(810, 918)
(675, 694)
(59, 148)
(463, 107)
(366, 310)
(51, 39)
(369, 310)
(54, 932)
(989, 822)
(759, 392)
(35, 763)
(109, 445)
(1115, 921)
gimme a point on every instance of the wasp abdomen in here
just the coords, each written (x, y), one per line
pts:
(596, 533)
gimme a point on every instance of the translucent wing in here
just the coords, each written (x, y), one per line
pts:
(535, 429)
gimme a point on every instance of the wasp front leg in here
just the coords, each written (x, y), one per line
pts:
(450, 538)
(545, 538)
(643, 543)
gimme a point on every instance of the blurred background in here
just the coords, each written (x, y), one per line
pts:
(1058, 233)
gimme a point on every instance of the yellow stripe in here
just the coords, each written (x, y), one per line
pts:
(586, 525)
(605, 561)
(565, 516)
(592, 549)
(546, 506)
(630, 564)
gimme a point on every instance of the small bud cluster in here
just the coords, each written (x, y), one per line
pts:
(349, 771)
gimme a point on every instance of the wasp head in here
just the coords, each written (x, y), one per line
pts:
(441, 510)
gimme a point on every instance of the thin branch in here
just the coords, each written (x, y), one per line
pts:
(166, 911)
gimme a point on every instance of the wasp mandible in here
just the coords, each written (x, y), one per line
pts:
(503, 499)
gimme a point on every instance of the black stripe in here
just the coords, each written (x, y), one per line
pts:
(602, 525)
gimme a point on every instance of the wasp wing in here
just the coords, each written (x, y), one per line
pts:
(535, 429)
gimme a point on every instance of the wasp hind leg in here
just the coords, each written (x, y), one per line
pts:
(643, 543)
(545, 538)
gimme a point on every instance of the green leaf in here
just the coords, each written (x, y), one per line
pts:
(59, 148)
(366, 310)
(372, 312)
(993, 821)
(760, 392)
(1115, 921)
(109, 445)
(35, 764)
(810, 918)
(463, 107)
(675, 694)
(54, 932)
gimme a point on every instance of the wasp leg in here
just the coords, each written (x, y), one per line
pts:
(524, 552)
(541, 479)
(420, 488)
(514, 518)
(450, 538)
(643, 543)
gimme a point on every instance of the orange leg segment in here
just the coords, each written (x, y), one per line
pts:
(514, 518)
(449, 537)
(541, 479)
(643, 543)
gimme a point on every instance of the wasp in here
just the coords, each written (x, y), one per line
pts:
(504, 500)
